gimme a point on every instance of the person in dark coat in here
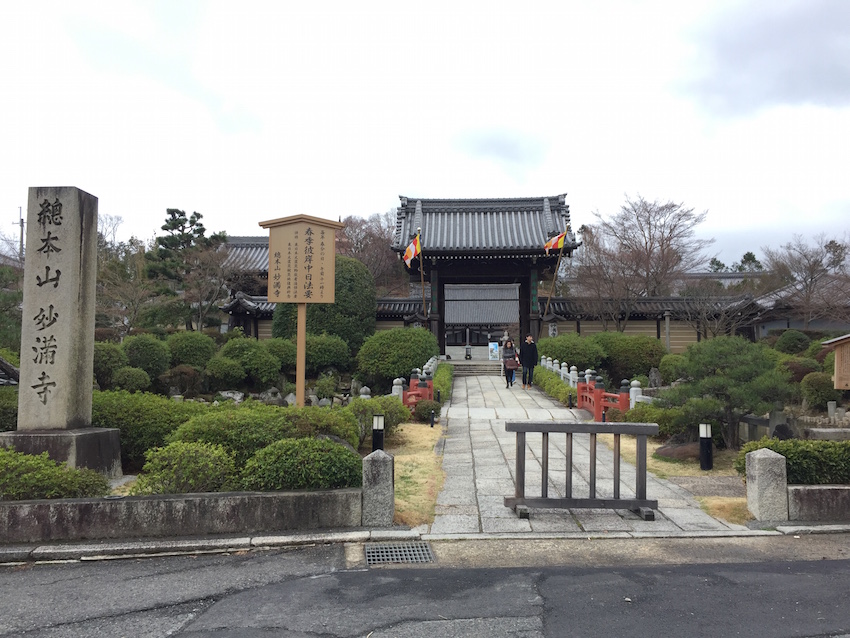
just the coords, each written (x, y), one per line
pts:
(528, 359)
(509, 355)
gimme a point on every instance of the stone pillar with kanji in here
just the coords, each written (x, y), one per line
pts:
(57, 334)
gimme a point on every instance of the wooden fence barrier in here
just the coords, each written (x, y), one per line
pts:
(640, 504)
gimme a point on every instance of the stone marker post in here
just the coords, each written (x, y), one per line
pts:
(57, 335)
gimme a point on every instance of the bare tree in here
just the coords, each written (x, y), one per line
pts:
(642, 251)
(368, 240)
(812, 278)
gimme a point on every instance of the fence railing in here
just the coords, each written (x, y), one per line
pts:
(570, 375)
(639, 504)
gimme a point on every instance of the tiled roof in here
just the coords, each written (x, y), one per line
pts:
(648, 307)
(255, 306)
(248, 253)
(475, 227)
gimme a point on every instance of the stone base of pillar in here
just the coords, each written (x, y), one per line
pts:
(98, 449)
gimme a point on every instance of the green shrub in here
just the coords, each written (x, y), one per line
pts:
(284, 350)
(423, 409)
(223, 373)
(325, 386)
(144, 421)
(303, 464)
(108, 357)
(575, 350)
(131, 379)
(818, 389)
(807, 462)
(829, 362)
(8, 408)
(672, 368)
(261, 366)
(185, 467)
(326, 351)
(393, 353)
(443, 380)
(26, 476)
(148, 353)
(394, 411)
(191, 348)
(670, 421)
(11, 357)
(628, 355)
(792, 342)
(247, 428)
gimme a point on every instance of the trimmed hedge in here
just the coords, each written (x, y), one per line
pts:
(672, 368)
(670, 421)
(249, 427)
(144, 419)
(223, 373)
(792, 342)
(422, 411)
(261, 366)
(807, 462)
(26, 476)
(628, 355)
(303, 464)
(550, 382)
(443, 380)
(186, 467)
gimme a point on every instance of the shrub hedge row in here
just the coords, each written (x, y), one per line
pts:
(30, 476)
(807, 462)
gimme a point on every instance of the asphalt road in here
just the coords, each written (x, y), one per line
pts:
(773, 587)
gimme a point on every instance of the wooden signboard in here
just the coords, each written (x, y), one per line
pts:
(302, 270)
(842, 366)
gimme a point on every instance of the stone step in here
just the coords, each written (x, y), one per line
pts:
(475, 368)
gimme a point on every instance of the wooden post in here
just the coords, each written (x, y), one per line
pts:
(300, 354)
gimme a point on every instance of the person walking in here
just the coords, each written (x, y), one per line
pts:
(528, 359)
(509, 360)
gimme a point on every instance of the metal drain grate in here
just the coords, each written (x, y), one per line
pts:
(412, 552)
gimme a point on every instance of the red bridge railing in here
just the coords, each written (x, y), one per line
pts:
(593, 397)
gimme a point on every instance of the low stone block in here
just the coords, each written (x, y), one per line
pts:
(378, 489)
(828, 434)
(767, 485)
(819, 503)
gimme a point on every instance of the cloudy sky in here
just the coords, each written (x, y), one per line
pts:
(249, 111)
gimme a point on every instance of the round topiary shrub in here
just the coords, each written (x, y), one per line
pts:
(393, 353)
(799, 367)
(818, 389)
(191, 348)
(148, 353)
(303, 464)
(326, 351)
(672, 368)
(185, 467)
(108, 357)
(325, 386)
(26, 476)
(422, 411)
(223, 373)
(131, 379)
(185, 379)
(792, 342)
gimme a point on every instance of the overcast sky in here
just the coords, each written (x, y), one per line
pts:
(249, 111)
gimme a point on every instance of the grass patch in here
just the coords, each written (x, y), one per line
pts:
(419, 474)
(665, 468)
(730, 509)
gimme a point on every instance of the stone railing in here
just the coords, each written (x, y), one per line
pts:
(570, 374)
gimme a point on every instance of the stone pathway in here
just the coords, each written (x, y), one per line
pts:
(479, 458)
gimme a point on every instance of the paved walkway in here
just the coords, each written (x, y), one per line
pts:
(479, 458)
